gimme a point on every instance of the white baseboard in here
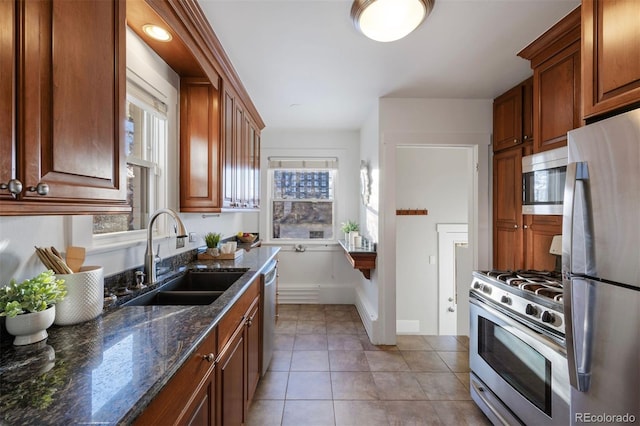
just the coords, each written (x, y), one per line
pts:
(407, 327)
(316, 294)
(367, 315)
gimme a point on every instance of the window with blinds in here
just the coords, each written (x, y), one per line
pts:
(302, 198)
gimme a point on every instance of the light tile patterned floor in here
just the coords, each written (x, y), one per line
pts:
(326, 372)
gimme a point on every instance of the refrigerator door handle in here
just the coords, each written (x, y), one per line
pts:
(567, 216)
(581, 300)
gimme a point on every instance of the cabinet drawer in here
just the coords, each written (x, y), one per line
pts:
(235, 315)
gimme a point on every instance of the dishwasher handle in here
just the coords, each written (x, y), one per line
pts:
(271, 272)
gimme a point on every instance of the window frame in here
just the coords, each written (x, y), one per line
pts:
(271, 199)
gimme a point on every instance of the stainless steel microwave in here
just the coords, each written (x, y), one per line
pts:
(543, 176)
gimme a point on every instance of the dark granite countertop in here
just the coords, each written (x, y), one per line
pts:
(106, 371)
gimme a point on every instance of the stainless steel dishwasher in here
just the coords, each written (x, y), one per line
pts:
(269, 278)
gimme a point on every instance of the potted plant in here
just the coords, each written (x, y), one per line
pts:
(212, 239)
(348, 227)
(30, 306)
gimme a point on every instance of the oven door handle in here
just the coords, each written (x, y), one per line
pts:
(480, 392)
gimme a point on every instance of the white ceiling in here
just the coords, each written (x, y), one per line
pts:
(305, 66)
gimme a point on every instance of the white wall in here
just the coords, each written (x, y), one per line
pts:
(320, 274)
(415, 122)
(436, 179)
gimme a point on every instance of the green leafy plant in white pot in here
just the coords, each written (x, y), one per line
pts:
(212, 239)
(348, 227)
(30, 306)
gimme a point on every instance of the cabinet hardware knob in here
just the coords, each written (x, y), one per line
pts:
(515, 141)
(525, 227)
(526, 137)
(450, 309)
(208, 357)
(515, 226)
(40, 189)
(14, 186)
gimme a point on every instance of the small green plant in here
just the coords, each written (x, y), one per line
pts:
(349, 226)
(212, 239)
(32, 295)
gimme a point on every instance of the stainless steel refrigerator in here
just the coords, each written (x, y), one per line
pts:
(601, 270)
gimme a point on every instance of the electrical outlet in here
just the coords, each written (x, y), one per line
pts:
(179, 243)
(193, 237)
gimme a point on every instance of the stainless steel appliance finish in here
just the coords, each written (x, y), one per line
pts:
(601, 270)
(517, 347)
(543, 179)
(519, 375)
(269, 318)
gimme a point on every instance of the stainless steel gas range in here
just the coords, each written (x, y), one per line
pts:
(517, 350)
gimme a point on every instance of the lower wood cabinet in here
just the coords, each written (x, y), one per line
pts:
(217, 384)
(189, 397)
(539, 231)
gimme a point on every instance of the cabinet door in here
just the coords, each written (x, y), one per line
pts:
(507, 119)
(539, 231)
(256, 168)
(527, 110)
(7, 93)
(254, 337)
(71, 99)
(610, 54)
(201, 410)
(231, 380)
(240, 166)
(228, 148)
(507, 209)
(557, 98)
(199, 146)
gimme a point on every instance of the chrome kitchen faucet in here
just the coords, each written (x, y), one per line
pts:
(149, 256)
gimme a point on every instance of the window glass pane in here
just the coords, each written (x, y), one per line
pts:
(302, 204)
(145, 133)
(301, 220)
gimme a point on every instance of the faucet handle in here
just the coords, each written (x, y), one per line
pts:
(140, 280)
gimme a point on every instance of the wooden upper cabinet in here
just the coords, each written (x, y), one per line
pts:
(513, 116)
(507, 209)
(199, 146)
(610, 55)
(7, 94)
(557, 101)
(69, 106)
(507, 119)
(228, 147)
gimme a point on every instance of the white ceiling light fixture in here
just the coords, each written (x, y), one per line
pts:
(389, 20)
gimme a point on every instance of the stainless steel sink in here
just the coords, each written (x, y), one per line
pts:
(196, 287)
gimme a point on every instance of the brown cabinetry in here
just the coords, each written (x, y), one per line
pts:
(199, 146)
(512, 116)
(557, 102)
(519, 241)
(610, 55)
(240, 155)
(240, 345)
(189, 397)
(507, 209)
(62, 110)
(539, 231)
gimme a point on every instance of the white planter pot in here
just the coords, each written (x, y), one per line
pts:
(31, 328)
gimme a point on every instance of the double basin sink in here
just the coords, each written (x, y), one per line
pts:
(195, 287)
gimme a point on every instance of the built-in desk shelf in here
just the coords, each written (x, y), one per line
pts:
(360, 258)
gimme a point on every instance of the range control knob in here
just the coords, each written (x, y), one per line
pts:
(486, 289)
(531, 310)
(477, 285)
(506, 300)
(548, 317)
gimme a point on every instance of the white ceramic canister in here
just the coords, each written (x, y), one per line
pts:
(85, 296)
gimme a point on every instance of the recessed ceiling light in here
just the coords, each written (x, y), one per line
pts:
(156, 32)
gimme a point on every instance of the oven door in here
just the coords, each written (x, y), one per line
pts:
(522, 368)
